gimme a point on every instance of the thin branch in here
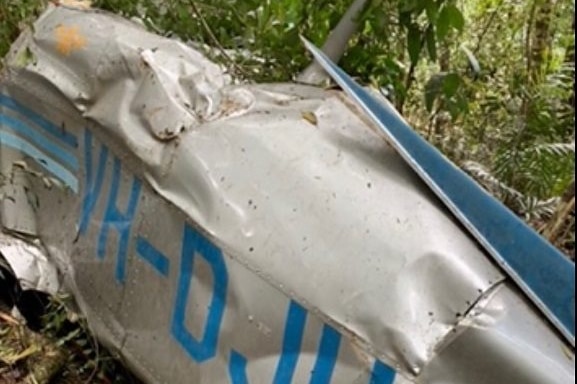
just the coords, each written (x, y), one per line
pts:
(487, 26)
(215, 41)
(409, 80)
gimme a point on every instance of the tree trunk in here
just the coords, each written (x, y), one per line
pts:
(570, 60)
(540, 38)
(538, 43)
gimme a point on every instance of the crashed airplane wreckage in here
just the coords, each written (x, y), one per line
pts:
(220, 233)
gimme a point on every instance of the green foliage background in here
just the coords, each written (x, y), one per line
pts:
(489, 82)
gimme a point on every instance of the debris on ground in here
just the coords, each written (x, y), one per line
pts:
(63, 352)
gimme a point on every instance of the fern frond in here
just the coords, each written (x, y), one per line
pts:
(498, 188)
(530, 207)
(552, 149)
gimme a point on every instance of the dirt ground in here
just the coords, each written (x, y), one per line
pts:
(68, 355)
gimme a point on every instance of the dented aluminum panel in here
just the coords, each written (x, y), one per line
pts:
(219, 233)
(528, 258)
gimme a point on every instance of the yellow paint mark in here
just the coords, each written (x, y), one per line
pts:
(68, 39)
(310, 117)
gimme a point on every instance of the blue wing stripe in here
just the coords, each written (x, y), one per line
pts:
(543, 273)
(46, 162)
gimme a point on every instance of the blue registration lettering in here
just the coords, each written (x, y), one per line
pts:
(327, 356)
(152, 256)
(382, 374)
(194, 244)
(93, 183)
(121, 221)
(292, 341)
(291, 344)
(237, 368)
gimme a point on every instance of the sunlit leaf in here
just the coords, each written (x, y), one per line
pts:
(451, 83)
(432, 9)
(455, 16)
(443, 23)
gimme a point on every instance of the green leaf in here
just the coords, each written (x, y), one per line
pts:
(451, 83)
(432, 9)
(408, 5)
(421, 5)
(450, 16)
(414, 43)
(433, 89)
(456, 17)
(405, 18)
(431, 42)
(443, 23)
(461, 106)
(430, 100)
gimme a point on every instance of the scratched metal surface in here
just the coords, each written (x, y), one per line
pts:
(539, 269)
(216, 233)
